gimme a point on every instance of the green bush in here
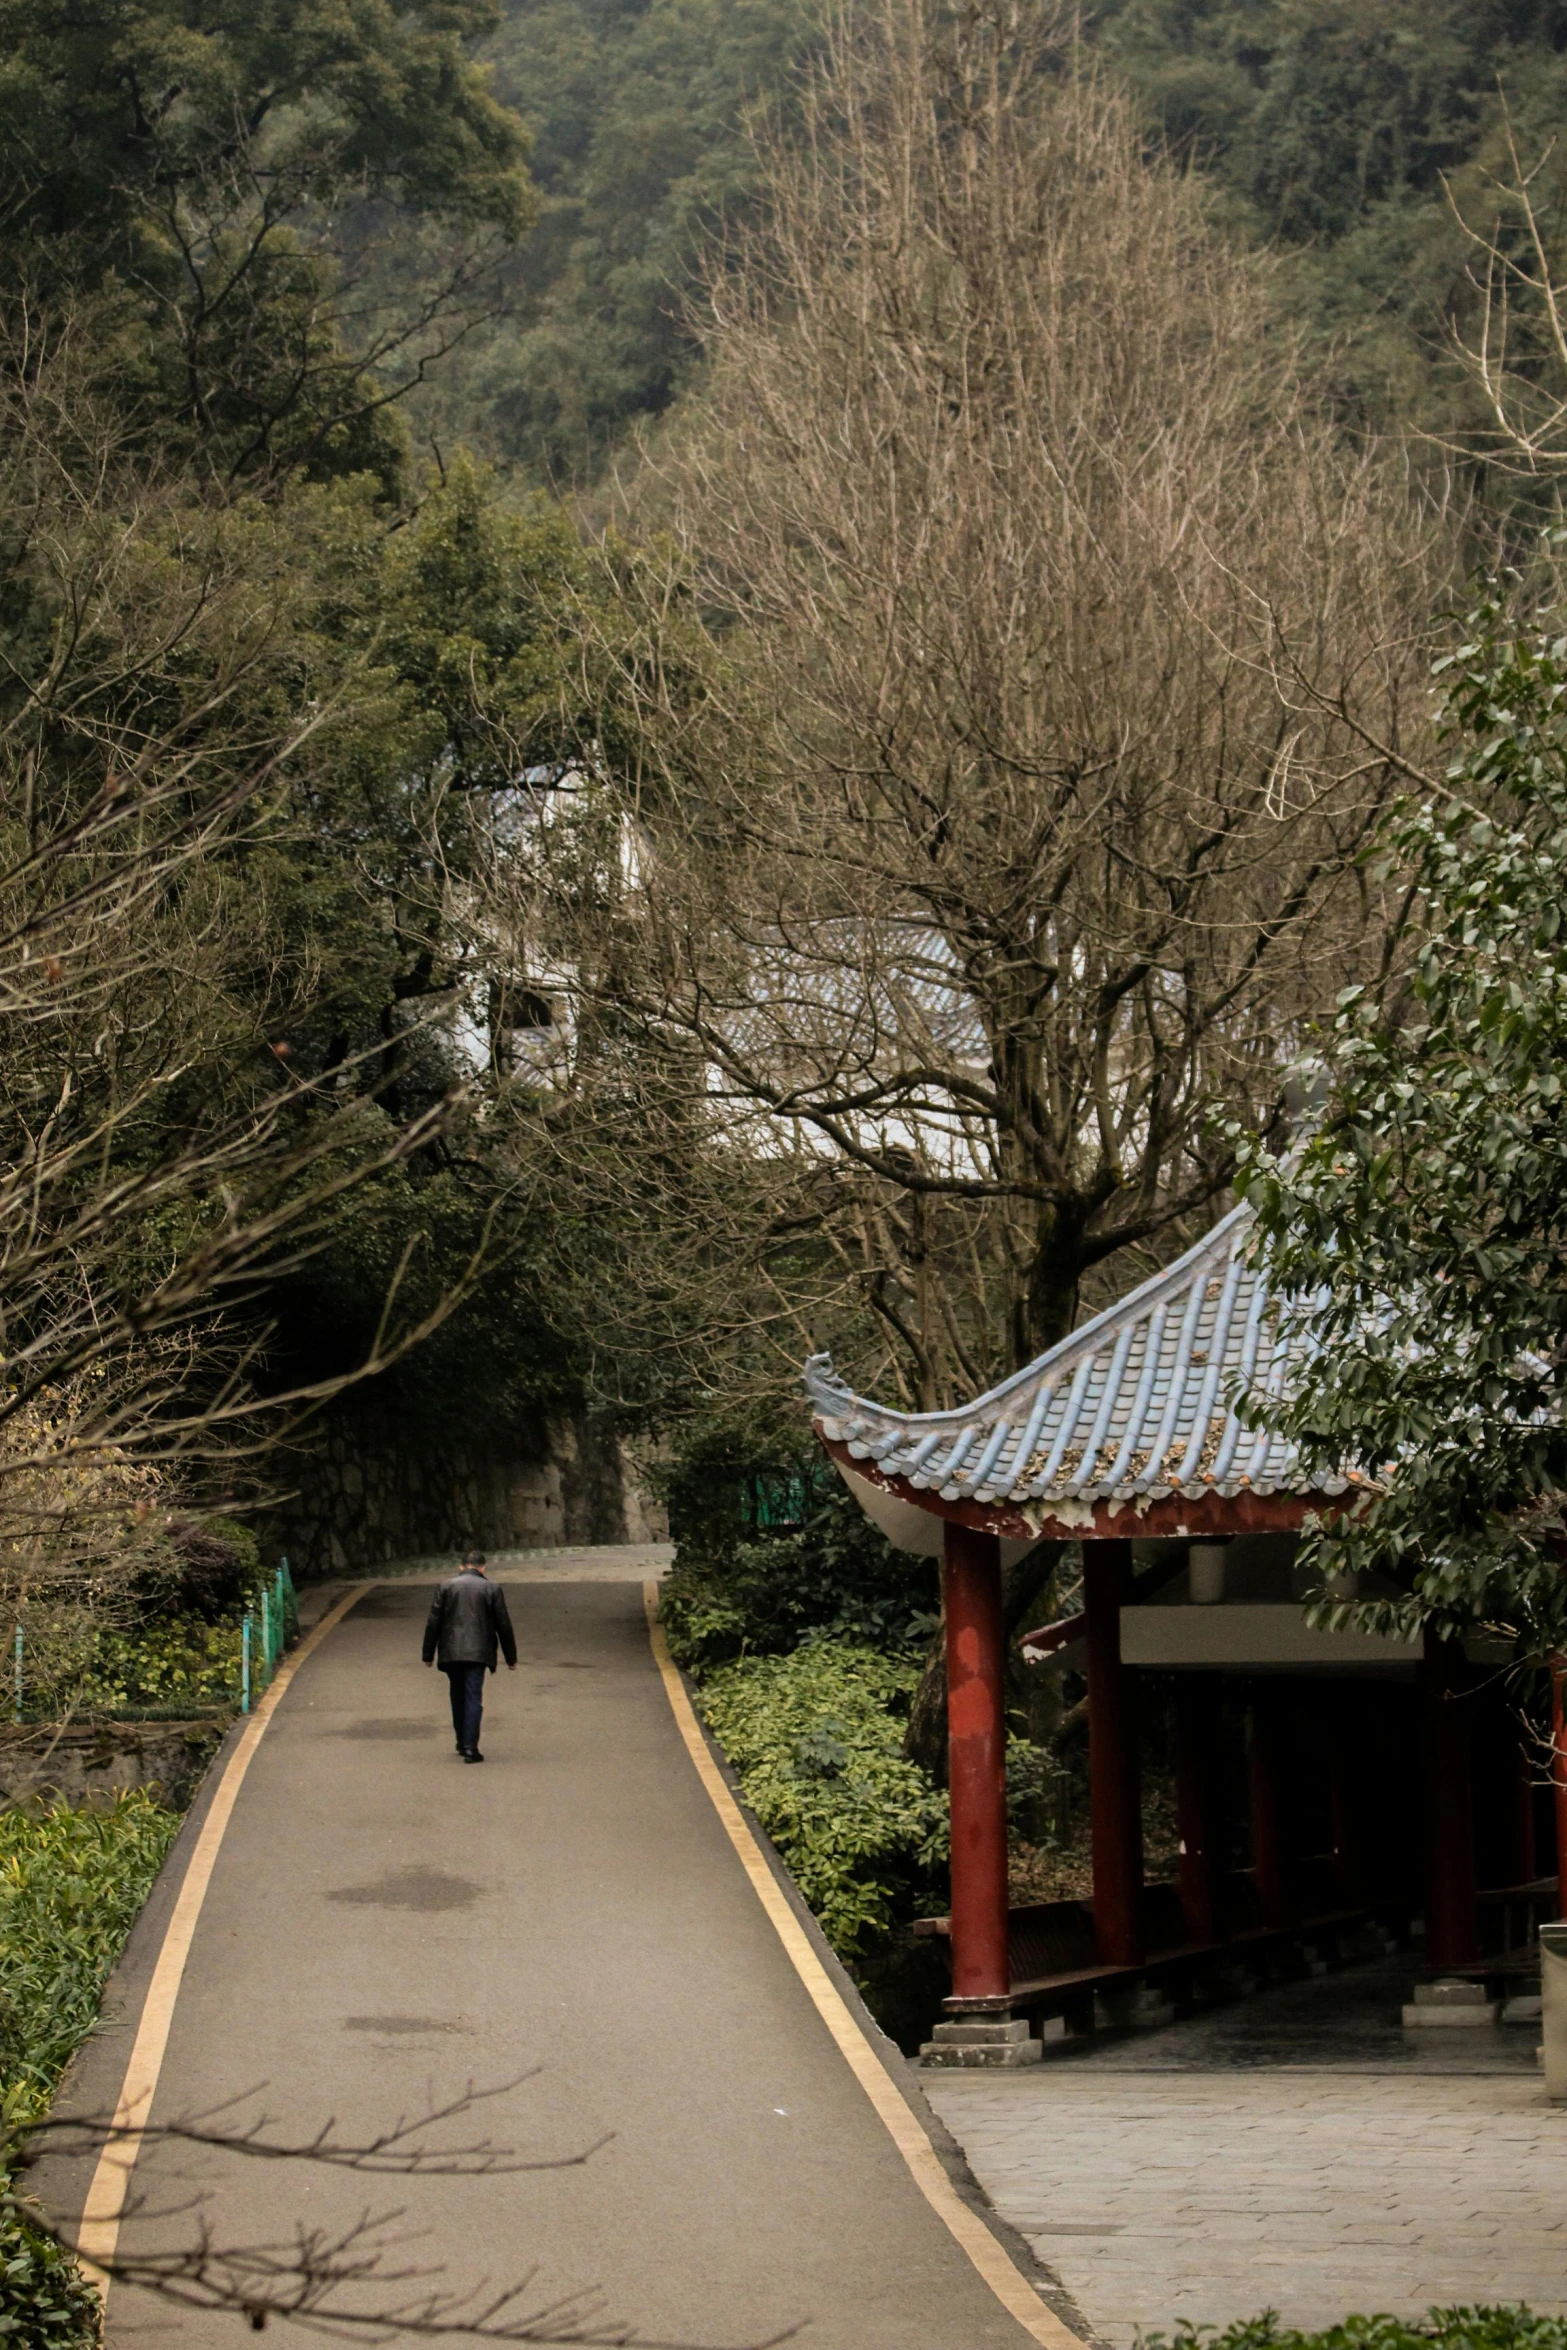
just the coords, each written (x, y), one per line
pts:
(816, 1738)
(71, 1884)
(1514, 2328)
(219, 1566)
(729, 1465)
(45, 2301)
(731, 1595)
(178, 1664)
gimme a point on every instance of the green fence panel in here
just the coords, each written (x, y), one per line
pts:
(271, 1625)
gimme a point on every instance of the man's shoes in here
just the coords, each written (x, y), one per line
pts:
(475, 1756)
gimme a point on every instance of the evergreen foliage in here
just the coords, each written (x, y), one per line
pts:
(1326, 129)
(45, 2301)
(816, 1738)
(175, 1665)
(221, 582)
(1498, 2328)
(637, 111)
(451, 644)
(808, 1642)
(734, 1592)
(1421, 1226)
(71, 1883)
(188, 172)
(1333, 131)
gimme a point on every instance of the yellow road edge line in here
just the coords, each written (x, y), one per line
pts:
(104, 2209)
(994, 2263)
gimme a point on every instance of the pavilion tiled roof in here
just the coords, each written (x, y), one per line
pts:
(1136, 1405)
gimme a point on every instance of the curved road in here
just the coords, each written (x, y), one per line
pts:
(384, 1926)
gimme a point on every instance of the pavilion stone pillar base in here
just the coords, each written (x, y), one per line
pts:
(981, 2043)
(1450, 2002)
(1139, 2007)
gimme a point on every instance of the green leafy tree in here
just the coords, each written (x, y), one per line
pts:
(1341, 133)
(637, 115)
(460, 630)
(1421, 1229)
(1329, 130)
(246, 743)
(816, 1738)
(210, 177)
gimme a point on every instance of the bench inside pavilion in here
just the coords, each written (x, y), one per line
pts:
(1332, 1787)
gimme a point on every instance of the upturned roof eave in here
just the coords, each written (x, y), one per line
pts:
(1204, 1512)
(831, 1393)
(1138, 1416)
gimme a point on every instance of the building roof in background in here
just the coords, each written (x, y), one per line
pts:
(1135, 1406)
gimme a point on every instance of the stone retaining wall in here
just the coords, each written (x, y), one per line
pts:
(99, 1760)
(371, 1492)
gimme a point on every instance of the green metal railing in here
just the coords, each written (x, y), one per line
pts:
(777, 1504)
(269, 1627)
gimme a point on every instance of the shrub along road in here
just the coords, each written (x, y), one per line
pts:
(384, 1926)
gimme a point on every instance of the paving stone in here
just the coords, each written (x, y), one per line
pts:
(1231, 2188)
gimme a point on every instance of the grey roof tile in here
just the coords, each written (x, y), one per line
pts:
(1137, 1404)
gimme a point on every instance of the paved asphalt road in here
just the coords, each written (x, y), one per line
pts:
(385, 1925)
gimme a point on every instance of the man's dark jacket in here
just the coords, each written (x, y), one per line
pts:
(467, 1618)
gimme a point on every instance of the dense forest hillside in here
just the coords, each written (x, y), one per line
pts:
(1330, 129)
(1343, 133)
(639, 150)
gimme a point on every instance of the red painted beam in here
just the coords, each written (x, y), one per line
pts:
(1205, 1517)
(976, 1768)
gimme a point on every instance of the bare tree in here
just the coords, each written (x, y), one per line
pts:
(1032, 663)
(354, 2280)
(159, 1156)
(1516, 352)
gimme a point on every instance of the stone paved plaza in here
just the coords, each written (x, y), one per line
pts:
(1182, 2175)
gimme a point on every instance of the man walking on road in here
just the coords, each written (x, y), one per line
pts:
(468, 1621)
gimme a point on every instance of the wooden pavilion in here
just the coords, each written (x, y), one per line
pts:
(1382, 1779)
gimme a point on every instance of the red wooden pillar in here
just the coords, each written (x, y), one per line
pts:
(1452, 1922)
(1523, 1760)
(1348, 1777)
(1270, 1799)
(1196, 1804)
(1559, 1774)
(976, 1769)
(1115, 1808)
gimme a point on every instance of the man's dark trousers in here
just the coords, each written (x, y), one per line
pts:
(467, 1686)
